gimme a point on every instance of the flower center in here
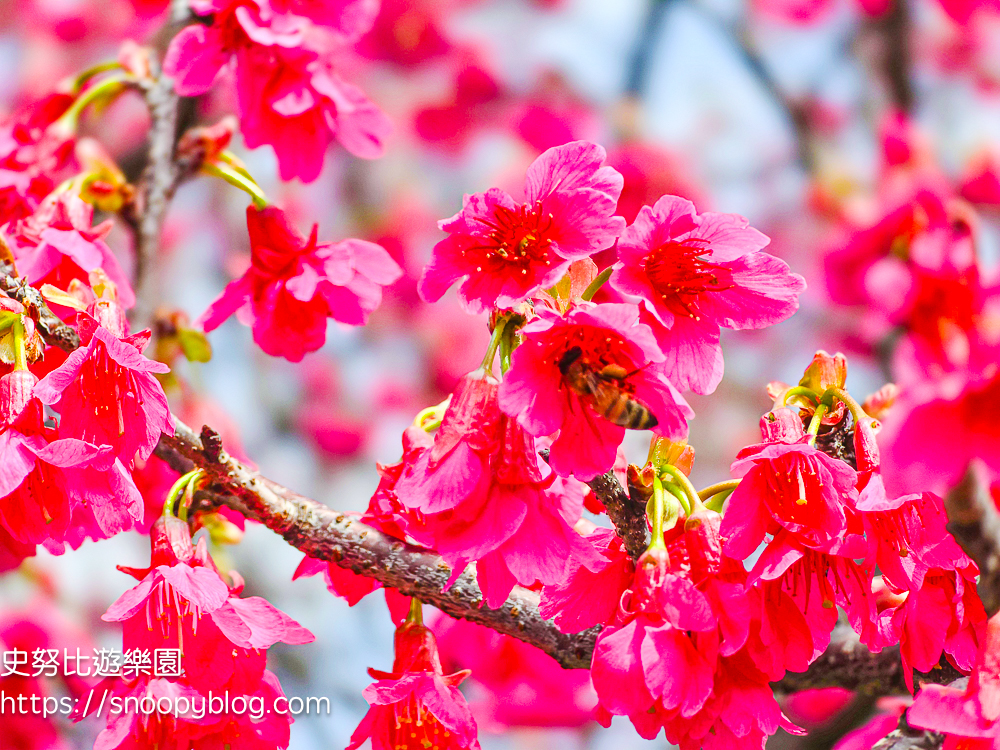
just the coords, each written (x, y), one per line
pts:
(517, 238)
(104, 386)
(416, 727)
(680, 274)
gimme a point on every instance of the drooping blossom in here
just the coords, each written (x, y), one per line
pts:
(58, 243)
(789, 484)
(293, 285)
(520, 685)
(289, 95)
(482, 493)
(927, 596)
(536, 392)
(182, 602)
(695, 273)
(675, 656)
(105, 391)
(503, 250)
(416, 705)
(588, 597)
(55, 491)
(301, 126)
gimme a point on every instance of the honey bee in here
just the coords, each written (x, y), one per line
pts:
(603, 390)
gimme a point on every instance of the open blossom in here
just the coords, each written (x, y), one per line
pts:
(56, 491)
(927, 598)
(541, 397)
(696, 273)
(789, 484)
(483, 494)
(293, 285)
(536, 392)
(183, 603)
(416, 705)
(58, 243)
(105, 391)
(506, 250)
(289, 95)
(588, 597)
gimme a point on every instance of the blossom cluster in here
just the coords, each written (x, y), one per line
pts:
(290, 96)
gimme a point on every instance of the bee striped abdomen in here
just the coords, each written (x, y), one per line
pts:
(624, 411)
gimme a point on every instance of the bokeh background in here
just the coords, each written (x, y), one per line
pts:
(779, 110)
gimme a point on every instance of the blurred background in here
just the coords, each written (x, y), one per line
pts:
(812, 118)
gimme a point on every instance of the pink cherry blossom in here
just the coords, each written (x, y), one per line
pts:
(183, 603)
(696, 273)
(416, 704)
(790, 485)
(536, 393)
(56, 491)
(57, 243)
(483, 494)
(504, 250)
(293, 285)
(289, 95)
(105, 392)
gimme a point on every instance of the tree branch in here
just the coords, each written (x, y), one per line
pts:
(893, 30)
(975, 523)
(159, 181)
(626, 512)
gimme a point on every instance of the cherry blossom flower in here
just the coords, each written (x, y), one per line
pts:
(790, 484)
(34, 157)
(293, 285)
(504, 251)
(183, 603)
(589, 597)
(56, 491)
(416, 704)
(105, 391)
(536, 392)
(289, 96)
(57, 244)
(926, 597)
(483, 494)
(696, 273)
(972, 712)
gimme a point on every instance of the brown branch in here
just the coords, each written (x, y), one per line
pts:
(326, 534)
(52, 329)
(975, 523)
(159, 181)
(847, 663)
(895, 59)
(628, 514)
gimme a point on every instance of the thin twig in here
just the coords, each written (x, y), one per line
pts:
(158, 183)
